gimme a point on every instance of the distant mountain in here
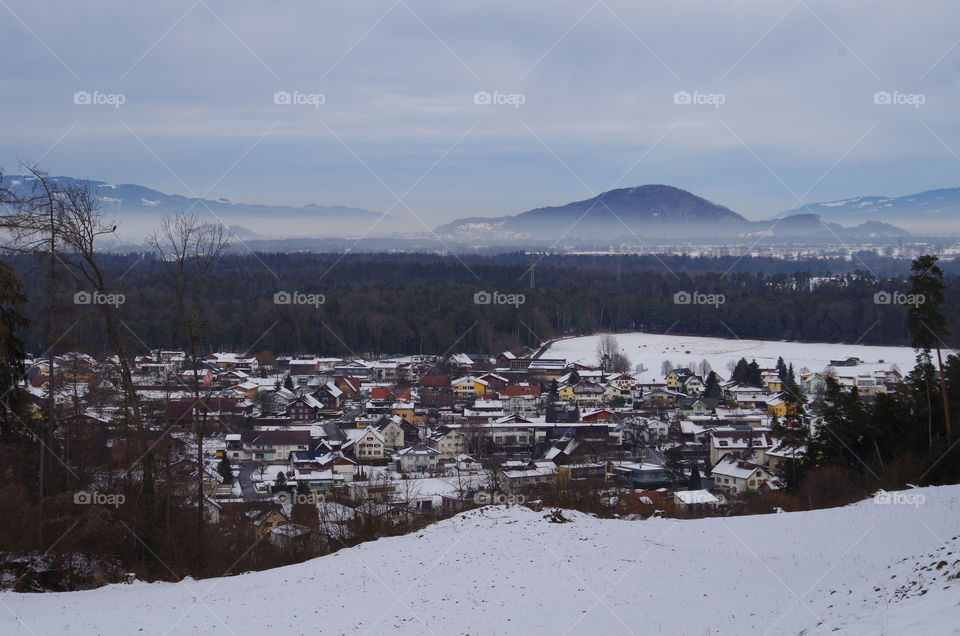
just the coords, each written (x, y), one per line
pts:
(136, 205)
(815, 227)
(933, 211)
(649, 210)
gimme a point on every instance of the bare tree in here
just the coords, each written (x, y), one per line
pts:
(67, 219)
(190, 248)
(610, 356)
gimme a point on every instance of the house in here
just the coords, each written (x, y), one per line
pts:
(639, 474)
(417, 459)
(467, 464)
(777, 407)
(734, 439)
(661, 398)
(695, 500)
(328, 396)
(200, 377)
(676, 377)
(268, 446)
(341, 467)
(782, 454)
(262, 516)
(522, 476)
(588, 393)
(814, 383)
(740, 472)
(697, 407)
(450, 443)
(364, 444)
(504, 359)
(230, 361)
(691, 385)
(521, 397)
(494, 382)
(469, 386)
(771, 381)
(349, 387)
(392, 431)
(599, 415)
(304, 408)
(546, 369)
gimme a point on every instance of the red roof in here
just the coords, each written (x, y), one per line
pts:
(435, 381)
(389, 393)
(520, 390)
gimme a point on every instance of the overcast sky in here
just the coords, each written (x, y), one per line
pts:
(587, 96)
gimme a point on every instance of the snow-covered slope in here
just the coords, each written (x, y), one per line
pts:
(510, 571)
(650, 350)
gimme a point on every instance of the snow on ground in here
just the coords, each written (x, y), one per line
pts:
(499, 570)
(652, 349)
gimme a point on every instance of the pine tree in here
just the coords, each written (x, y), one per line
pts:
(711, 387)
(225, 470)
(754, 376)
(781, 369)
(927, 323)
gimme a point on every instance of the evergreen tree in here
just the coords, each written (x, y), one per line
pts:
(754, 376)
(12, 354)
(225, 470)
(926, 320)
(741, 373)
(288, 383)
(694, 483)
(781, 369)
(711, 388)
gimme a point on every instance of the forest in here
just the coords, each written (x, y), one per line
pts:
(388, 304)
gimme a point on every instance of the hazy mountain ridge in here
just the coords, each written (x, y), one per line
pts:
(930, 211)
(653, 211)
(138, 208)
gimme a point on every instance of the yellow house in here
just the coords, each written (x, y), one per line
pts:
(777, 408)
(673, 380)
(469, 386)
(265, 522)
(566, 392)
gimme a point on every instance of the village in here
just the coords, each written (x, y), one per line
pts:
(383, 443)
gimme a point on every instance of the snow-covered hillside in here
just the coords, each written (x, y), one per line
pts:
(502, 570)
(650, 350)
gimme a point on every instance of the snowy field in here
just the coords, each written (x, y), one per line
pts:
(503, 571)
(650, 350)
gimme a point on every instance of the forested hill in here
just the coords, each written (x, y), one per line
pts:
(377, 303)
